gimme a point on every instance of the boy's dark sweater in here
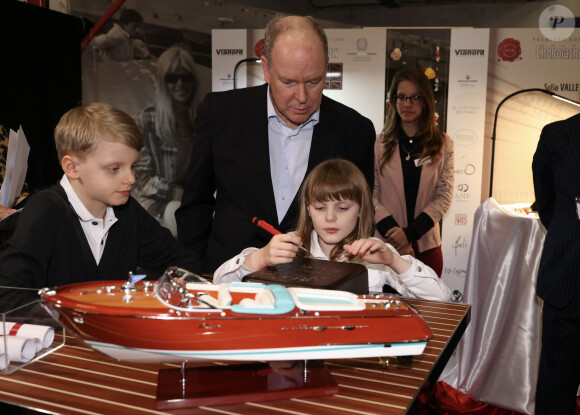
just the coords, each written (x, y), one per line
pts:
(49, 247)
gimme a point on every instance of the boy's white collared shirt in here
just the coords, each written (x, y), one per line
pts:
(96, 230)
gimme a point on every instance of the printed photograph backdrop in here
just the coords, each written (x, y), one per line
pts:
(157, 73)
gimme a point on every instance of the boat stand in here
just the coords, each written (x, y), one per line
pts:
(249, 382)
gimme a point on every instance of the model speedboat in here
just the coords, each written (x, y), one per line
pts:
(182, 317)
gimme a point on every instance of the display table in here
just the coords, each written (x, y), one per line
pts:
(78, 380)
(497, 360)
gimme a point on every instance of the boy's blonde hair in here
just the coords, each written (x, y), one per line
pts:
(336, 179)
(80, 130)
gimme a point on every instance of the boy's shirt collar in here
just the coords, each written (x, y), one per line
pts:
(80, 209)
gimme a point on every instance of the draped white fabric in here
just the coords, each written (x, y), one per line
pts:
(497, 359)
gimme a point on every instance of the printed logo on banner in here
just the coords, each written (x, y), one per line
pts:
(361, 44)
(467, 82)
(560, 52)
(462, 193)
(361, 54)
(557, 22)
(569, 87)
(259, 48)
(456, 272)
(465, 137)
(459, 245)
(457, 296)
(465, 109)
(461, 219)
(469, 52)
(509, 50)
(229, 52)
(467, 169)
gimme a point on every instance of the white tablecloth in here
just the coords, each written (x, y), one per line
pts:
(497, 359)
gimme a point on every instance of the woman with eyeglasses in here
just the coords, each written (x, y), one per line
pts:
(167, 128)
(413, 171)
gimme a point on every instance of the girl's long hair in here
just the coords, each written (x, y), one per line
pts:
(433, 138)
(336, 179)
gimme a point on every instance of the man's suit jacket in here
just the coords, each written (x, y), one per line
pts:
(230, 155)
(556, 171)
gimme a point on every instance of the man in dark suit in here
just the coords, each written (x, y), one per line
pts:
(254, 146)
(556, 170)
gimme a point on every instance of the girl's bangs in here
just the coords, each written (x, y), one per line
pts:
(329, 190)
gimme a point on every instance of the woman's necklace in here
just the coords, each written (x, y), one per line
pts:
(413, 148)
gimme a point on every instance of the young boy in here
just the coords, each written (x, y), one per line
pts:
(88, 227)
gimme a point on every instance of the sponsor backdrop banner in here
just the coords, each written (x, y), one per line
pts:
(228, 48)
(355, 77)
(521, 59)
(468, 61)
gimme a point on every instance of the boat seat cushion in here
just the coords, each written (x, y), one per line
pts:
(209, 299)
(265, 296)
(283, 303)
(224, 296)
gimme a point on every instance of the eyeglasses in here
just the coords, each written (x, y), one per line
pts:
(402, 99)
(171, 78)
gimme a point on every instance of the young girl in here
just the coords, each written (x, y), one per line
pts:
(413, 171)
(336, 222)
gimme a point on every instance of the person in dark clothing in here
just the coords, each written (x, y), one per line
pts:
(556, 172)
(87, 227)
(253, 147)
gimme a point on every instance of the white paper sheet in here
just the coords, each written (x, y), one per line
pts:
(16, 167)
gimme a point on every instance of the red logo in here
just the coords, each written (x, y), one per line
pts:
(461, 219)
(259, 48)
(509, 50)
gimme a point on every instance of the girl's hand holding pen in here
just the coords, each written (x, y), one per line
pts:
(266, 226)
(281, 249)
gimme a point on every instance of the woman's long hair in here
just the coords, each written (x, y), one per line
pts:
(175, 56)
(433, 138)
(336, 179)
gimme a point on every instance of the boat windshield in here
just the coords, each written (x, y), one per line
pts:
(172, 290)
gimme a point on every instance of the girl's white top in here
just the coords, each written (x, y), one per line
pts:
(419, 281)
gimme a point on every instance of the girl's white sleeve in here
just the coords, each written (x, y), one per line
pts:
(420, 281)
(233, 270)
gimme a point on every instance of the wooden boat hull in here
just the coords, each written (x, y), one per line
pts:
(149, 330)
